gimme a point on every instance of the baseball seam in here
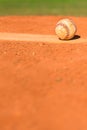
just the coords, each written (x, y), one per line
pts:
(74, 26)
(66, 28)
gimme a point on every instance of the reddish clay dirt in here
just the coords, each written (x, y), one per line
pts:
(42, 86)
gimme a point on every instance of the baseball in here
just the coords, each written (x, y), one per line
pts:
(65, 29)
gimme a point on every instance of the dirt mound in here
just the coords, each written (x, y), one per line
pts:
(42, 86)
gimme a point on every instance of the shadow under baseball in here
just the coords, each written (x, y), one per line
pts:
(76, 37)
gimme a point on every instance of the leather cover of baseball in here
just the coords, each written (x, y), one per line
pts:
(65, 29)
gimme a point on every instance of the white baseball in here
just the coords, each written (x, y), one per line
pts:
(65, 29)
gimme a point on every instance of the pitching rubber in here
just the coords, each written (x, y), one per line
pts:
(38, 38)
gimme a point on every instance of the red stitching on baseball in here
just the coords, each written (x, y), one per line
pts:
(74, 25)
(67, 29)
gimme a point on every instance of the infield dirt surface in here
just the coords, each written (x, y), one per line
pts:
(43, 86)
